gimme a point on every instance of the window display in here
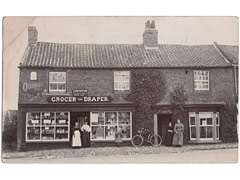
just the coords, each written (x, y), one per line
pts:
(47, 126)
(105, 125)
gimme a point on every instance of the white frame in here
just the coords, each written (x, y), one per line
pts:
(201, 81)
(54, 125)
(33, 76)
(121, 81)
(192, 125)
(57, 90)
(105, 125)
(218, 126)
(206, 126)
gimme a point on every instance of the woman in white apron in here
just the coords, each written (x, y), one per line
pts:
(76, 139)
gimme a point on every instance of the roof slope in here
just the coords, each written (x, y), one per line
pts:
(45, 54)
(230, 52)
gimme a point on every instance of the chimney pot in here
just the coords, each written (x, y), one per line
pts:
(150, 35)
(32, 35)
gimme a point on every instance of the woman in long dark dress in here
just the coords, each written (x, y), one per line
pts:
(85, 135)
(169, 135)
(178, 134)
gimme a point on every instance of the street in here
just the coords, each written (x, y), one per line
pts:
(198, 156)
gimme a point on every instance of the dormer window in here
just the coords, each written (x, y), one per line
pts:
(201, 80)
(33, 76)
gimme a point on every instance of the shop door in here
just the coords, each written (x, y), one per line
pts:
(163, 121)
(79, 117)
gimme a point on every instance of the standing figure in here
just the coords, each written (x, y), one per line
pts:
(169, 135)
(85, 135)
(178, 134)
(76, 139)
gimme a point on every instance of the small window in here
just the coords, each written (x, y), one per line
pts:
(192, 125)
(201, 80)
(122, 80)
(33, 76)
(57, 82)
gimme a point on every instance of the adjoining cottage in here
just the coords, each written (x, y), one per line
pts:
(126, 87)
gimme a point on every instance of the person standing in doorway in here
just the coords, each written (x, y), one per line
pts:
(169, 135)
(178, 134)
(85, 135)
(76, 139)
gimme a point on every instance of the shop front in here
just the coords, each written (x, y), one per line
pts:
(201, 121)
(51, 125)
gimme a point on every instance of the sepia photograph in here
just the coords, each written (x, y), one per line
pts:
(146, 89)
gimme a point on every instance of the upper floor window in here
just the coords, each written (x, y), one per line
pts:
(33, 75)
(201, 80)
(57, 81)
(122, 80)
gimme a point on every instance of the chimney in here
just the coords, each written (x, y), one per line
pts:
(32, 35)
(150, 35)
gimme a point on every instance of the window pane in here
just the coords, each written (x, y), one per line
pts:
(110, 131)
(111, 118)
(47, 133)
(53, 77)
(192, 121)
(203, 132)
(124, 118)
(61, 86)
(193, 132)
(48, 118)
(62, 118)
(62, 77)
(203, 121)
(98, 132)
(33, 133)
(217, 131)
(33, 119)
(209, 121)
(61, 132)
(97, 118)
(125, 130)
(209, 132)
(53, 86)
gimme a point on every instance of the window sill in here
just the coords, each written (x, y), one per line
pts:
(55, 93)
(204, 142)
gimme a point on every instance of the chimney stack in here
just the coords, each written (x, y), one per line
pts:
(32, 35)
(150, 35)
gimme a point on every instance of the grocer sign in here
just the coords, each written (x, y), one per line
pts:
(75, 99)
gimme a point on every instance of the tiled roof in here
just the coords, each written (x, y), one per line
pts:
(230, 52)
(45, 54)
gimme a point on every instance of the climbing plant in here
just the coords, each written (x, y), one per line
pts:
(148, 87)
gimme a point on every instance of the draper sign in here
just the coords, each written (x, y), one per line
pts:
(74, 99)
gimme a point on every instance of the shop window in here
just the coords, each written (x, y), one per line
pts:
(206, 125)
(57, 82)
(33, 76)
(201, 80)
(47, 126)
(104, 125)
(192, 125)
(122, 80)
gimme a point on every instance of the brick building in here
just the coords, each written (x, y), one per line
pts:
(127, 87)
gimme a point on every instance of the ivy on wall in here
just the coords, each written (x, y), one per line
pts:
(148, 87)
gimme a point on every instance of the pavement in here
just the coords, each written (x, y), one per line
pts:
(203, 153)
(206, 156)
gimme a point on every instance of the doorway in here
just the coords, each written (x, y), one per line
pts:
(163, 121)
(79, 117)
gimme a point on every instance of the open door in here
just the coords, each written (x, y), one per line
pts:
(163, 121)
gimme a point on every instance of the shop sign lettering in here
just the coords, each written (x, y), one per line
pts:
(80, 92)
(75, 99)
(35, 86)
